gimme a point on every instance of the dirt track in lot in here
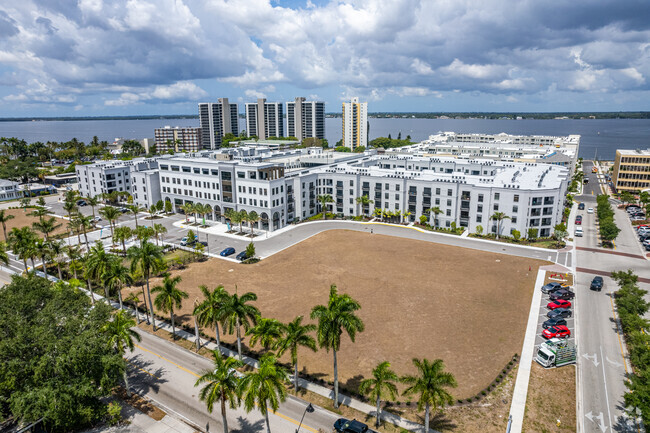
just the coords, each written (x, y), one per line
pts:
(418, 299)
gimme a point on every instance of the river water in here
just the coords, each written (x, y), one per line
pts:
(600, 138)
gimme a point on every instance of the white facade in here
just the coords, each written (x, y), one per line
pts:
(107, 176)
(305, 119)
(355, 124)
(9, 190)
(264, 119)
(145, 187)
(217, 120)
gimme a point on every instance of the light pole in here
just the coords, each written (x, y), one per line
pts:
(309, 409)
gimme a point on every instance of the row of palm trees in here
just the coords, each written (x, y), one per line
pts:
(242, 216)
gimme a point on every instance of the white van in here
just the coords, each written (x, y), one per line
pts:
(578, 232)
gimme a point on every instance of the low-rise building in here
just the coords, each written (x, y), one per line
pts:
(9, 190)
(632, 170)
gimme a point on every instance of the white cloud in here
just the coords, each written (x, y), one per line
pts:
(181, 91)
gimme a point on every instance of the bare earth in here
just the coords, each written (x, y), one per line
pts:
(418, 299)
(22, 219)
(542, 412)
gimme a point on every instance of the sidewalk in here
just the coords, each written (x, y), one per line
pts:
(138, 422)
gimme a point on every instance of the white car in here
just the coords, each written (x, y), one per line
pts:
(578, 232)
(590, 210)
(97, 219)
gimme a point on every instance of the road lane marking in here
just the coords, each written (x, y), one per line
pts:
(142, 369)
(618, 334)
(609, 414)
(196, 375)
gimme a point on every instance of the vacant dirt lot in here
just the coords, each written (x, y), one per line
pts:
(542, 412)
(418, 299)
(22, 219)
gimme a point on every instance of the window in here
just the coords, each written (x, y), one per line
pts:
(214, 172)
(516, 198)
(450, 192)
(396, 187)
(162, 167)
(479, 208)
(175, 168)
(449, 202)
(187, 169)
(496, 195)
(205, 171)
(437, 191)
(351, 183)
(396, 196)
(496, 206)
(480, 198)
(241, 175)
(448, 212)
(515, 209)
(386, 186)
(386, 196)
(197, 170)
(479, 218)
(437, 201)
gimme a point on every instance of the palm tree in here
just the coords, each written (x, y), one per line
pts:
(22, 242)
(435, 211)
(158, 231)
(74, 256)
(324, 200)
(188, 208)
(169, 296)
(265, 387)
(46, 226)
(334, 318)
(40, 212)
(241, 218)
(210, 311)
(111, 214)
(430, 385)
(237, 313)
(123, 234)
(149, 258)
(97, 262)
(92, 202)
(222, 384)
(134, 298)
(70, 207)
(253, 217)
(42, 250)
(364, 201)
(4, 257)
(116, 276)
(498, 217)
(380, 386)
(75, 226)
(267, 332)
(57, 248)
(85, 223)
(120, 337)
(135, 209)
(4, 218)
(295, 335)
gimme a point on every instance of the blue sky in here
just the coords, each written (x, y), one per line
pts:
(127, 57)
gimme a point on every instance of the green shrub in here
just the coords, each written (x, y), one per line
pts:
(114, 413)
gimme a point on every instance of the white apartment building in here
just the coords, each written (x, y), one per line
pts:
(9, 190)
(104, 177)
(178, 139)
(217, 120)
(264, 119)
(305, 119)
(283, 186)
(355, 123)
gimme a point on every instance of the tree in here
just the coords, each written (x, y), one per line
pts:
(56, 365)
(152, 211)
(4, 257)
(210, 311)
(111, 214)
(46, 226)
(134, 299)
(253, 217)
(241, 217)
(158, 231)
(222, 384)
(97, 262)
(4, 218)
(265, 387)
(42, 249)
(160, 205)
(169, 296)
(498, 217)
(123, 234)
(324, 200)
(532, 233)
(295, 335)
(85, 223)
(135, 209)
(364, 201)
(559, 233)
(237, 312)
(116, 276)
(143, 233)
(267, 332)
(120, 337)
(92, 202)
(56, 249)
(250, 250)
(74, 258)
(627, 197)
(430, 385)
(435, 211)
(168, 206)
(333, 319)
(380, 386)
(149, 258)
(70, 207)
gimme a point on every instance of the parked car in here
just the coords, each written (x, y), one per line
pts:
(637, 218)
(97, 219)
(581, 206)
(579, 219)
(642, 226)
(590, 210)
(578, 232)
(81, 203)
(343, 425)
(559, 331)
(644, 236)
(123, 209)
(565, 294)
(204, 243)
(647, 247)
(560, 303)
(242, 256)
(597, 283)
(228, 251)
(645, 242)
(553, 286)
(555, 321)
(186, 241)
(559, 312)
(632, 208)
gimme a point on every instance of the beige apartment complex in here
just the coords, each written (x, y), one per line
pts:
(632, 170)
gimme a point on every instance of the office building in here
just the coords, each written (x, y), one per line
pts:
(632, 170)
(217, 120)
(186, 139)
(264, 119)
(305, 119)
(355, 124)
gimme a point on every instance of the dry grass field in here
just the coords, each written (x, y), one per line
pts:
(418, 299)
(22, 219)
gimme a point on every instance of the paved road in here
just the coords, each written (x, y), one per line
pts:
(166, 373)
(601, 364)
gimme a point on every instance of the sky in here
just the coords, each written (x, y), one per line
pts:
(137, 57)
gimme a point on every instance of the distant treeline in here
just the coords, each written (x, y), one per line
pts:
(417, 115)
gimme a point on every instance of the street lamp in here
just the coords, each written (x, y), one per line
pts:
(309, 409)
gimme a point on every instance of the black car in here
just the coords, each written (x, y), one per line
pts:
(242, 256)
(227, 252)
(556, 321)
(552, 287)
(559, 312)
(597, 284)
(581, 206)
(565, 294)
(343, 425)
(81, 203)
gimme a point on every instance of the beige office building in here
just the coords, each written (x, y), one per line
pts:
(355, 124)
(632, 170)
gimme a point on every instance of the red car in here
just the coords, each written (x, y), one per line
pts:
(560, 303)
(559, 331)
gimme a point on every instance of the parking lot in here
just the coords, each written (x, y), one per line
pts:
(544, 310)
